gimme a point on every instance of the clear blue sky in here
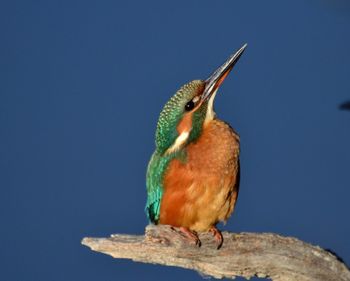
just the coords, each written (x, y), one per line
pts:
(81, 87)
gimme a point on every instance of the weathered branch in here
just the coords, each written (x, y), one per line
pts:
(244, 254)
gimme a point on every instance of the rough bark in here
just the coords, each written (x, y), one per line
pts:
(243, 254)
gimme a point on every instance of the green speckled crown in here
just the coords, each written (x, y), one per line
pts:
(172, 113)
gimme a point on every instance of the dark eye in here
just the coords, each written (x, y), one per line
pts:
(189, 106)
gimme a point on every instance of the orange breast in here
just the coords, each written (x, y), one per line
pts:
(203, 190)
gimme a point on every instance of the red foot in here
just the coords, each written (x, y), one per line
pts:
(190, 235)
(217, 236)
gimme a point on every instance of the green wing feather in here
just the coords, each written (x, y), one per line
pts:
(155, 172)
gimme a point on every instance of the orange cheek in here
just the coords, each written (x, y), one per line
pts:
(185, 125)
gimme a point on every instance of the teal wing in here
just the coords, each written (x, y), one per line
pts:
(155, 171)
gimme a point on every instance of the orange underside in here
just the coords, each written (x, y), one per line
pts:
(203, 191)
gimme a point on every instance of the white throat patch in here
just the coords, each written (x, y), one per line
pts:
(180, 140)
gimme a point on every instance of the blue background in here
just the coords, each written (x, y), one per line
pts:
(81, 87)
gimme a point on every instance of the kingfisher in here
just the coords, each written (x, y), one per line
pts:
(193, 175)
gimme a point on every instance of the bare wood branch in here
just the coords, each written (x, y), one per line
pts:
(243, 254)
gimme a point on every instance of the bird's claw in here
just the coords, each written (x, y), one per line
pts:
(191, 236)
(217, 236)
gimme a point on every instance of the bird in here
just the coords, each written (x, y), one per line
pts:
(192, 178)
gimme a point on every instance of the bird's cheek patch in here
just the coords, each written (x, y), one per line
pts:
(180, 140)
(184, 129)
(185, 125)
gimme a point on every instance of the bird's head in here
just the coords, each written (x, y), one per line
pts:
(183, 116)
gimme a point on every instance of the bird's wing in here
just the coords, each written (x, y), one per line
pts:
(155, 170)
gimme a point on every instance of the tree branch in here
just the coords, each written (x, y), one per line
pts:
(243, 254)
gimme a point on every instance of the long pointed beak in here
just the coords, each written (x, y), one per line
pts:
(219, 75)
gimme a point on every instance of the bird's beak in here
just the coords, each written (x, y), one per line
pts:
(219, 75)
